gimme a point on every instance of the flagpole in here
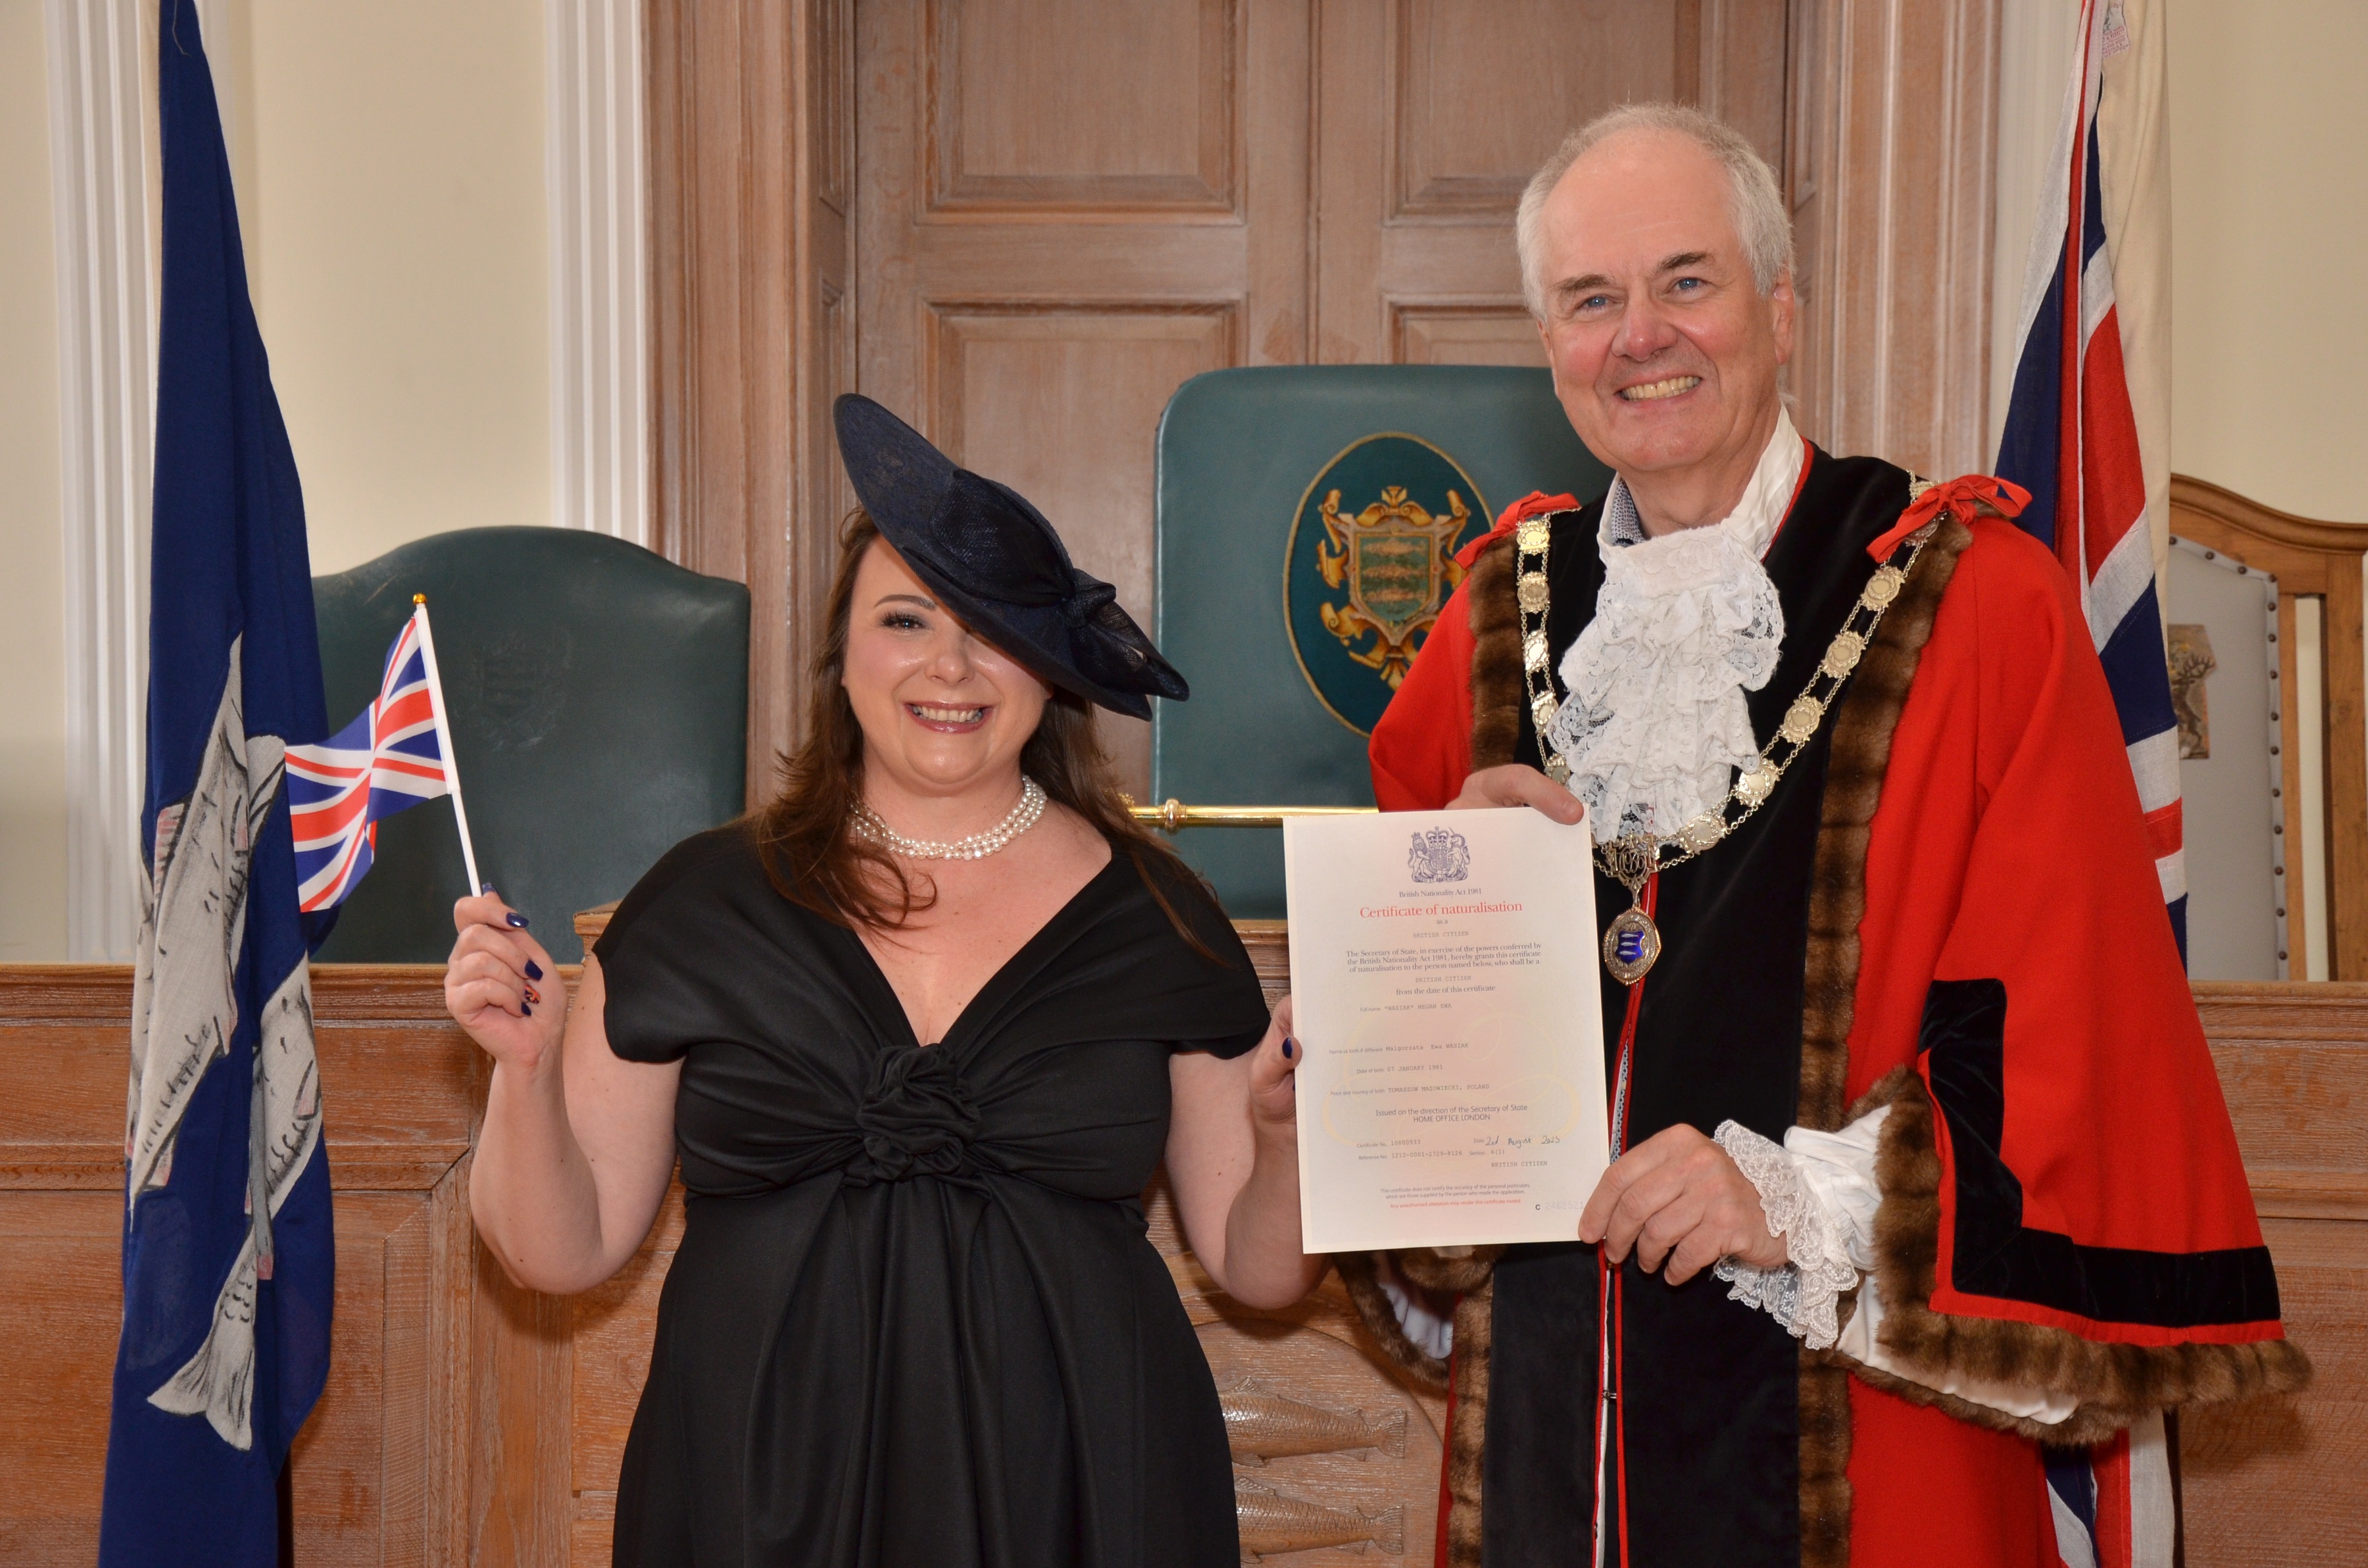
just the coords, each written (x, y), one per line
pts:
(444, 739)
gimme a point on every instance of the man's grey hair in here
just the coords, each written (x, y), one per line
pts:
(1760, 219)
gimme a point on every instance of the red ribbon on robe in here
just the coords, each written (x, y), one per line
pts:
(1963, 495)
(1537, 502)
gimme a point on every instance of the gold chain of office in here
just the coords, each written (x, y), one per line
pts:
(1633, 943)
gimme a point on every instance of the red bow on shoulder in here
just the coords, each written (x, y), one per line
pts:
(1535, 504)
(1962, 496)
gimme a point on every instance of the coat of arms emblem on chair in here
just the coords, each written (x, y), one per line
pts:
(1370, 564)
(1398, 563)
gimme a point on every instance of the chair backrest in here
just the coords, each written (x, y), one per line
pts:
(2277, 855)
(598, 700)
(1307, 517)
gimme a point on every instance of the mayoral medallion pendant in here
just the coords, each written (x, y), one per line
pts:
(1632, 943)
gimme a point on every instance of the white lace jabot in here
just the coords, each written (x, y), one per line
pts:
(1685, 624)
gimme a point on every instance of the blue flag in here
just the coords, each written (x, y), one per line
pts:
(227, 1256)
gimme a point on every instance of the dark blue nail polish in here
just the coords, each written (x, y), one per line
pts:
(514, 918)
(527, 1008)
(1286, 1048)
(533, 970)
(486, 888)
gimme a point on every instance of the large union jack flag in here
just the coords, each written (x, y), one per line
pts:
(2087, 425)
(394, 756)
(2071, 434)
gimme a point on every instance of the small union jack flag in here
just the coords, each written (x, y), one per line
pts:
(395, 754)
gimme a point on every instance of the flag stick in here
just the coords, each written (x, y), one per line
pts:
(444, 739)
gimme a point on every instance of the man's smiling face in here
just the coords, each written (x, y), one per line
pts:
(1665, 353)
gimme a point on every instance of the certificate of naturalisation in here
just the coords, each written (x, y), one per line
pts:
(1443, 980)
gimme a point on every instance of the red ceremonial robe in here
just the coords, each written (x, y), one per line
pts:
(1983, 947)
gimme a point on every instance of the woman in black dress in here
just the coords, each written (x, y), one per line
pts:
(920, 1049)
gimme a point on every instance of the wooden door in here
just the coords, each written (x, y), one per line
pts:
(1433, 114)
(1065, 209)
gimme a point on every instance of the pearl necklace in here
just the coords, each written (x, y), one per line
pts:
(977, 847)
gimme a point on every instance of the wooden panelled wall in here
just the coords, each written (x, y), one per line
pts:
(467, 1422)
(1022, 223)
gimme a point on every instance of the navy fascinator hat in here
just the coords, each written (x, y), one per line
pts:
(993, 560)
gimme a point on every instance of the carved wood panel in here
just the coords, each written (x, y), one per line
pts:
(2243, 1466)
(1433, 115)
(1477, 332)
(2294, 1065)
(1480, 91)
(382, 1470)
(1121, 106)
(61, 1269)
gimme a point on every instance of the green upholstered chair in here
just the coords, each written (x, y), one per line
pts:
(598, 700)
(1306, 519)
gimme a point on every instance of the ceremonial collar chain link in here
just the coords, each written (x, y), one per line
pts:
(1632, 942)
(976, 846)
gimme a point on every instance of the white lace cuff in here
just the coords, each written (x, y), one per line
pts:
(1826, 1180)
(1802, 1293)
(1840, 1169)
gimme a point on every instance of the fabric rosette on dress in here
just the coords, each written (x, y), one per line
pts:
(1655, 724)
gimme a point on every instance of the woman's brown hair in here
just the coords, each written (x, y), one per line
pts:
(802, 834)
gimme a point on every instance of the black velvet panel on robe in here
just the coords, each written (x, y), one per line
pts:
(1710, 1403)
(914, 1317)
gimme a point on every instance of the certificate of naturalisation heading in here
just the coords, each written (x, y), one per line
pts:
(1443, 977)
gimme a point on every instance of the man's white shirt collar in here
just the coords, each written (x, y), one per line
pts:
(1766, 499)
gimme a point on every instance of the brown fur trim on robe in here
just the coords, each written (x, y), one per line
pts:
(1824, 1463)
(1468, 1274)
(1360, 1272)
(1497, 693)
(2115, 1384)
(1467, 1428)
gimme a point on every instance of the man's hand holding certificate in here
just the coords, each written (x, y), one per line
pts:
(1452, 1093)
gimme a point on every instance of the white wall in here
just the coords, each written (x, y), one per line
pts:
(32, 667)
(2270, 232)
(396, 224)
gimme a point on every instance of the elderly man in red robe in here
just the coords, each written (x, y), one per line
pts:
(1922, 1164)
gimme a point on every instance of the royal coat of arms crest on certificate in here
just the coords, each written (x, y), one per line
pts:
(1370, 564)
(1440, 856)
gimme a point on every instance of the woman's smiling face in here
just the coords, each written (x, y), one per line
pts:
(942, 711)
